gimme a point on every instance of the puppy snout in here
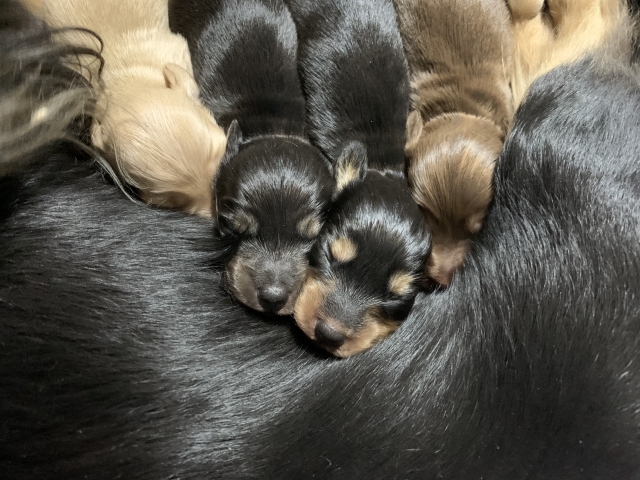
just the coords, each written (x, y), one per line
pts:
(329, 336)
(444, 274)
(273, 298)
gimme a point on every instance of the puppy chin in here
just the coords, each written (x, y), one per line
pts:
(447, 256)
(308, 313)
(242, 287)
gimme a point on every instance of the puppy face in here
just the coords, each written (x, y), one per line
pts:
(367, 261)
(272, 194)
(451, 163)
(164, 142)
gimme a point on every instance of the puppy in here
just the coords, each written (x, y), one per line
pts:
(273, 186)
(120, 360)
(564, 32)
(371, 250)
(460, 53)
(154, 130)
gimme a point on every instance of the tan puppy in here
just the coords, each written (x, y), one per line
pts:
(460, 53)
(155, 131)
(566, 32)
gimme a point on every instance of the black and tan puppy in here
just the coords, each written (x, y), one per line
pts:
(371, 251)
(460, 53)
(273, 186)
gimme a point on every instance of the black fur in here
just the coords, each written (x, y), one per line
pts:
(119, 360)
(244, 57)
(355, 76)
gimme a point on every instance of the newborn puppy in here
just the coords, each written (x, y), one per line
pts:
(273, 186)
(154, 130)
(565, 32)
(372, 248)
(460, 54)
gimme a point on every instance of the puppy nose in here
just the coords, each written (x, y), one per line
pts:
(328, 336)
(273, 298)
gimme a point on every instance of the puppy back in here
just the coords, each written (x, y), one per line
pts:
(355, 76)
(245, 61)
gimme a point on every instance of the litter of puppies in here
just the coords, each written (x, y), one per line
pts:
(341, 157)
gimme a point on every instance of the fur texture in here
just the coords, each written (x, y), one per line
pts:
(154, 130)
(273, 187)
(122, 359)
(562, 31)
(461, 56)
(355, 77)
(35, 109)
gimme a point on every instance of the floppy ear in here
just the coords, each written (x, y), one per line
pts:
(414, 129)
(234, 139)
(351, 166)
(176, 77)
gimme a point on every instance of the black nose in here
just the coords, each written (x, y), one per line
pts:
(273, 298)
(329, 336)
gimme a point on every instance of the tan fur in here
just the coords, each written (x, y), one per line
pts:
(34, 6)
(343, 249)
(246, 223)
(240, 283)
(308, 312)
(346, 174)
(309, 226)
(154, 129)
(401, 283)
(460, 53)
(568, 32)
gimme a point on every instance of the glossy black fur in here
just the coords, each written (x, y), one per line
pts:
(355, 77)
(244, 58)
(119, 360)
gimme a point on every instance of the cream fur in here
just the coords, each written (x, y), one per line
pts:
(154, 129)
(568, 32)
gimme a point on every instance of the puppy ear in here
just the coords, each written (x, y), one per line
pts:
(351, 166)
(234, 139)
(176, 77)
(414, 129)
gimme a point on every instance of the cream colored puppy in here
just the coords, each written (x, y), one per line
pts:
(154, 129)
(565, 32)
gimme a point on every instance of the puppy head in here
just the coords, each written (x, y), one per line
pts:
(451, 163)
(271, 194)
(164, 142)
(367, 261)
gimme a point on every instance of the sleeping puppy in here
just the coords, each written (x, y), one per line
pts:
(563, 32)
(460, 53)
(154, 130)
(371, 250)
(273, 186)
